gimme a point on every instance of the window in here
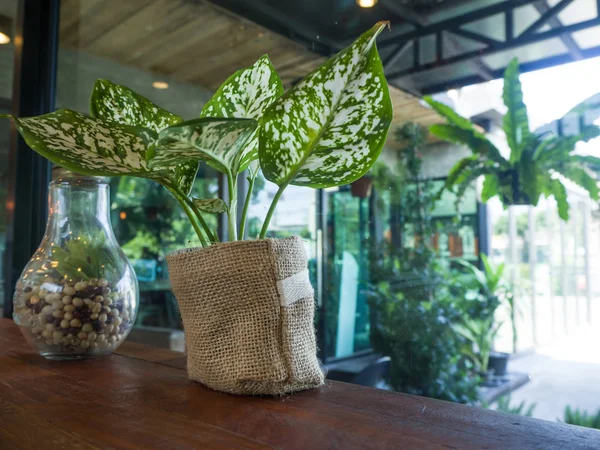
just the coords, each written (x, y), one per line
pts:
(8, 12)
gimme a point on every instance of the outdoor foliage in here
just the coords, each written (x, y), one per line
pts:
(414, 301)
(325, 131)
(487, 284)
(480, 335)
(487, 291)
(582, 418)
(522, 409)
(536, 162)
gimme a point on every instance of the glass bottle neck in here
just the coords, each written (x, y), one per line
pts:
(78, 206)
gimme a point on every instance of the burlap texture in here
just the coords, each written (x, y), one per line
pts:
(239, 337)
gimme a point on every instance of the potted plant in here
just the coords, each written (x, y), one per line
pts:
(247, 306)
(491, 293)
(480, 335)
(535, 162)
(361, 188)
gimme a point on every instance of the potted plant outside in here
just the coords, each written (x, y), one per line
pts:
(480, 333)
(247, 306)
(535, 162)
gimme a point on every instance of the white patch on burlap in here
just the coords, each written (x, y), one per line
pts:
(294, 288)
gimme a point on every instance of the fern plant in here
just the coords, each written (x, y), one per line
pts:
(536, 162)
(522, 409)
(582, 418)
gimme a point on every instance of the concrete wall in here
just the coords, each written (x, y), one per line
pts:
(438, 159)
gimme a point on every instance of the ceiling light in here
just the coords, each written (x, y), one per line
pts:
(160, 85)
(366, 3)
(5, 29)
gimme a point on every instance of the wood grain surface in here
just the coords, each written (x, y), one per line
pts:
(141, 398)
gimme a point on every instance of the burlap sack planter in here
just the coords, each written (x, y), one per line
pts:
(247, 310)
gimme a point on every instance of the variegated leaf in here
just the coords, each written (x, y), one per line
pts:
(112, 102)
(210, 205)
(245, 95)
(329, 129)
(184, 176)
(253, 169)
(88, 146)
(218, 142)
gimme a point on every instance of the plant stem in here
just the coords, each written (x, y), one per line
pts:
(265, 227)
(246, 206)
(194, 221)
(194, 215)
(232, 211)
(211, 237)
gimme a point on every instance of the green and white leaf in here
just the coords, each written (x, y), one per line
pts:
(88, 146)
(329, 129)
(253, 169)
(184, 176)
(218, 142)
(112, 102)
(515, 123)
(210, 205)
(246, 95)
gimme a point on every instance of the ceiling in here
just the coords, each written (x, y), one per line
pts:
(195, 42)
(436, 45)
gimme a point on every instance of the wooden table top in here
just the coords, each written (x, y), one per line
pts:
(142, 398)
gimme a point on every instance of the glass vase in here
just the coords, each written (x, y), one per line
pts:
(77, 297)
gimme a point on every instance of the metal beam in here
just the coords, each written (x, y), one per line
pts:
(407, 14)
(396, 54)
(542, 7)
(523, 67)
(273, 19)
(546, 16)
(456, 22)
(477, 65)
(509, 44)
(474, 36)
